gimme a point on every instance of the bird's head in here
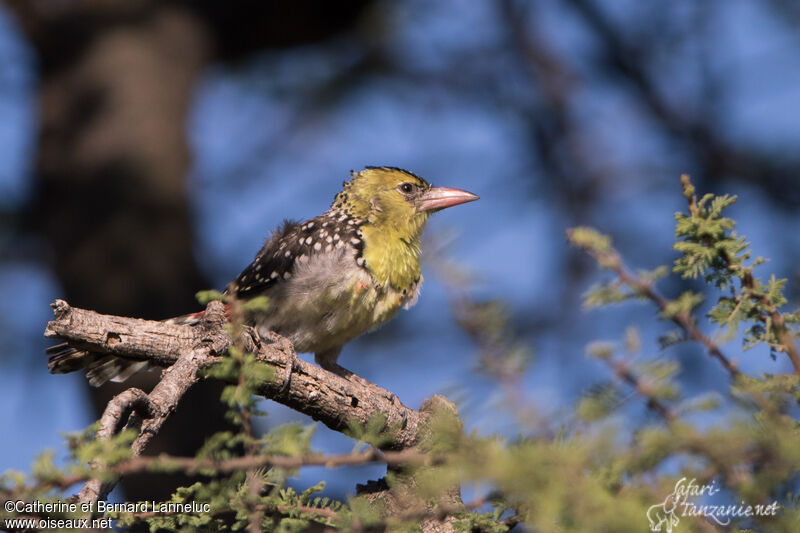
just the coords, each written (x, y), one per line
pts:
(396, 201)
(393, 206)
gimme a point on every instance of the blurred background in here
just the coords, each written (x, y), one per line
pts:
(147, 148)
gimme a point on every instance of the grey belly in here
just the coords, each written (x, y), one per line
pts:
(318, 309)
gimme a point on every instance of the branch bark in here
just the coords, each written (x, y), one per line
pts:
(326, 397)
(148, 412)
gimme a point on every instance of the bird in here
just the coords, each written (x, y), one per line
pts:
(328, 279)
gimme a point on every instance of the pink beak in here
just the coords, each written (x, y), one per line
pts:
(437, 198)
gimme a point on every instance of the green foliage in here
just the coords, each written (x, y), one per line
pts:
(683, 304)
(711, 248)
(206, 297)
(360, 514)
(606, 293)
(249, 372)
(490, 521)
(599, 402)
(259, 303)
(375, 432)
(443, 431)
(86, 447)
(590, 239)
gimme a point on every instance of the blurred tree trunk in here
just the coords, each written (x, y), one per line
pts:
(116, 82)
(111, 179)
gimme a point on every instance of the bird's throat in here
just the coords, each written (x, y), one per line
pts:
(392, 257)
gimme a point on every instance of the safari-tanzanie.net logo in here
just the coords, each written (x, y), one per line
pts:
(683, 503)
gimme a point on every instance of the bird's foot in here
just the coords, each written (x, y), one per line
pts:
(290, 361)
(289, 364)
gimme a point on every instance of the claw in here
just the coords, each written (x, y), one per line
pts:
(289, 366)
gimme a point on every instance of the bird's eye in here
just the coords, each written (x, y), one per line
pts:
(406, 187)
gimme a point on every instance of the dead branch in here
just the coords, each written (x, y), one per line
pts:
(149, 412)
(326, 397)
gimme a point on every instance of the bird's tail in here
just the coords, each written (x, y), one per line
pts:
(101, 368)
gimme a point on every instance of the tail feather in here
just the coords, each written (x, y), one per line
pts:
(65, 358)
(101, 368)
(110, 368)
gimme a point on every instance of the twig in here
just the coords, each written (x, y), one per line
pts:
(120, 408)
(193, 465)
(623, 371)
(782, 332)
(612, 260)
(773, 315)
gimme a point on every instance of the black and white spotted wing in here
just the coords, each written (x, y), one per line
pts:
(273, 262)
(293, 241)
